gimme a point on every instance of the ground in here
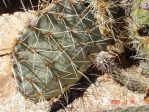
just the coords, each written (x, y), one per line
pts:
(104, 94)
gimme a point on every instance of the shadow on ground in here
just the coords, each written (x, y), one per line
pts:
(76, 91)
(124, 61)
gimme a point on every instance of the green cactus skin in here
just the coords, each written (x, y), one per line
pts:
(130, 109)
(54, 51)
(139, 27)
(145, 69)
(111, 17)
(121, 79)
(140, 12)
(102, 15)
(130, 82)
(139, 30)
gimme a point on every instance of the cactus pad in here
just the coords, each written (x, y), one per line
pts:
(54, 51)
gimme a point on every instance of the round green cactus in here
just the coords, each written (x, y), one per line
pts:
(54, 51)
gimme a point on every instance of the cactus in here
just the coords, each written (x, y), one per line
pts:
(55, 50)
(139, 27)
(104, 62)
(108, 16)
(139, 32)
(132, 83)
(140, 12)
(10, 6)
(111, 17)
(104, 16)
(130, 109)
(5, 3)
(145, 69)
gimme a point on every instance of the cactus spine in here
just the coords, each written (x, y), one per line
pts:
(111, 21)
(139, 30)
(139, 27)
(54, 51)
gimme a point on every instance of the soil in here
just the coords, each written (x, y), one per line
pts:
(96, 97)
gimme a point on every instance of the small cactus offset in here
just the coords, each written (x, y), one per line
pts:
(67, 37)
(54, 51)
(111, 19)
(104, 62)
(113, 24)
